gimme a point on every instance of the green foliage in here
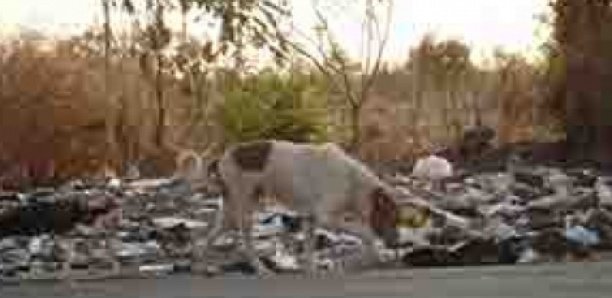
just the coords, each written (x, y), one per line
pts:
(242, 22)
(271, 106)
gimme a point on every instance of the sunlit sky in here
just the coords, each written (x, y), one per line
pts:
(483, 24)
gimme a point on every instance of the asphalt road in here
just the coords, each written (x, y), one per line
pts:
(576, 280)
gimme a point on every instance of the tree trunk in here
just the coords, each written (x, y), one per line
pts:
(355, 128)
(111, 142)
(161, 107)
(581, 28)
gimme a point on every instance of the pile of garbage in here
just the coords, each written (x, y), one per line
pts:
(104, 229)
(139, 228)
(524, 214)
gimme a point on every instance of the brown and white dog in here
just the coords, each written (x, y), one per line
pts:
(319, 181)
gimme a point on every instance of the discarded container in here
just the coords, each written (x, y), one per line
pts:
(159, 269)
(169, 222)
(529, 256)
(582, 236)
(432, 167)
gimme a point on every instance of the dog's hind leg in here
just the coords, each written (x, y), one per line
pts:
(244, 217)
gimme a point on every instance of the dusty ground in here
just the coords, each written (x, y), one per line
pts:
(574, 280)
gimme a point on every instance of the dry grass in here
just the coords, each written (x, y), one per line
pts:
(54, 112)
(54, 115)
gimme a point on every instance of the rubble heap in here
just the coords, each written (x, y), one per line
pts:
(524, 214)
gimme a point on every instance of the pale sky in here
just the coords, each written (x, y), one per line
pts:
(483, 24)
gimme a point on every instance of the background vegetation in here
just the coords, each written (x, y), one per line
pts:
(134, 90)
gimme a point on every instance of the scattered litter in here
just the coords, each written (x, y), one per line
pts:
(521, 216)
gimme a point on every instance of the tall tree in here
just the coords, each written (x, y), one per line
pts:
(582, 33)
(253, 22)
(111, 137)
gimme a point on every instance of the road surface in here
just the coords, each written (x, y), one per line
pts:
(576, 280)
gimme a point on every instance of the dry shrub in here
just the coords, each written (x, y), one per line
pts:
(54, 112)
(49, 114)
(517, 102)
(386, 136)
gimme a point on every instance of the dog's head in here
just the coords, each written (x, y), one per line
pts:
(213, 180)
(384, 216)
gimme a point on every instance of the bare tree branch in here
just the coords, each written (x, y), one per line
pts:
(381, 47)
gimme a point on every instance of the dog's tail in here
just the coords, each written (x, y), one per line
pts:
(189, 164)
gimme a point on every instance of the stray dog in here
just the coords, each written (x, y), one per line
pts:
(320, 182)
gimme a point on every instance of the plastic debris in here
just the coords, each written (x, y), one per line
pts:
(432, 167)
(582, 236)
(157, 226)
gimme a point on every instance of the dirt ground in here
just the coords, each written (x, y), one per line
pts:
(572, 280)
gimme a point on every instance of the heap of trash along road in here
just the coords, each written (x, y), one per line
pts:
(516, 212)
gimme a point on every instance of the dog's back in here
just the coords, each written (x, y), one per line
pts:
(303, 176)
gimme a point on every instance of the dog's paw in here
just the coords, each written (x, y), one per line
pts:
(263, 272)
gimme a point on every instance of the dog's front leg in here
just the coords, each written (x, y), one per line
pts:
(249, 249)
(310, 240)
(370, 254)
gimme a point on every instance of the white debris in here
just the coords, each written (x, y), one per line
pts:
(529, 256)
(432, 167)
(144, 184)
(283, 260)
(417, 237)
(604, 192)
(156, 269)
(133, 250)
(114, 183)
(169, 222)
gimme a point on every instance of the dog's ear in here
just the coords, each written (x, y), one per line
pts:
(384, 211)
(212, 170)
